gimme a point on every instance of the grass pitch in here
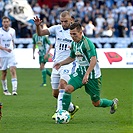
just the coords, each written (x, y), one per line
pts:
(31, 110)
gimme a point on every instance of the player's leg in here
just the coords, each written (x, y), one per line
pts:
(74, 83)
(4, 63)
(12, 65)
(93, 88)
(48, 72)
(43, 70)
(65, 72)
(55, 77)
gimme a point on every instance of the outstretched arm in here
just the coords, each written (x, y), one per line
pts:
(39, 30)
(64, 62)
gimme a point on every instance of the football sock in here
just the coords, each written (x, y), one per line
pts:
(59, 100)
(105, 103)
(14, 84)
(48, 72)
(4, 84)
(44, 75)
(71, 107)
(66, 101)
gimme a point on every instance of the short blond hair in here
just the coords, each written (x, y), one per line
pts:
(64, 14)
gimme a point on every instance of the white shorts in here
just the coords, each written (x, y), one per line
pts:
(7, 62)
(62, 73)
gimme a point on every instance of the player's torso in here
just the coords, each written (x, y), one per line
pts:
(81, 54)
(41, 44)
(6, 41)
(63, 44)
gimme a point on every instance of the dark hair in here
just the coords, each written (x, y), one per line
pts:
(5, 17)
(76, 25)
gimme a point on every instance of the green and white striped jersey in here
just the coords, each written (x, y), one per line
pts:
(41, 42)
(83, 51)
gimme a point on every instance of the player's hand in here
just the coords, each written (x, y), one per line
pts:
(8, 50)
(37, 21)
(85, 79)
(46, 56)
(57, 66)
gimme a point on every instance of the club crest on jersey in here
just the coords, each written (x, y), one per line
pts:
(66, 71)
(39, 43)
(79, 55)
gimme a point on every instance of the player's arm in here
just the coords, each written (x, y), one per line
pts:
(89, 70)
(46, 55)
(50, 47)
(91, 51)
(5, 49)
(64, 62)
(13, 38)
(34, 45)
(39, 30)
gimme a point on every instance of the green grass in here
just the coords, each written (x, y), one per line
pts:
(31, 110)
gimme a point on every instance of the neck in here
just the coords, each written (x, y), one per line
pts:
(6, 28)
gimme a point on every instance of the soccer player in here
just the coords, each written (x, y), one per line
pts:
(88, 74)
(60, 78)
(40, 42)
(7, 56)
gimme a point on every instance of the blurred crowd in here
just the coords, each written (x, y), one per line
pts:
(99, 18)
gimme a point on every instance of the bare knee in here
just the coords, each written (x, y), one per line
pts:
(4, 73)
(62, 84)
(13, 72)
(69, 88)
(96, 104)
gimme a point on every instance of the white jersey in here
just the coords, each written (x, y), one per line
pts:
(62, 44)
(6, 40)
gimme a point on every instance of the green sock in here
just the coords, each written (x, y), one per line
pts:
(44, 75)
(48, 72)
(66, 100)
(105, 103)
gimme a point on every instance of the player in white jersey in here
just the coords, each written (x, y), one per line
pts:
(7, 56)
(60, 78)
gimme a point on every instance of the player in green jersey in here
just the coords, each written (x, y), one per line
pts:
(88, 74)
(40, 42)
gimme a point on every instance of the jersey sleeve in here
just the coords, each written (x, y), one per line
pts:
(90, 47)
(14, 35)
(72, 53)
(52, 29)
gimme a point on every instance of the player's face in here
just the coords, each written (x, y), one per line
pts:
(65, 22)
(6, 23)
(76, 35)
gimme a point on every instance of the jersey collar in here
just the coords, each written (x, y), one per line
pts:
(5, 30)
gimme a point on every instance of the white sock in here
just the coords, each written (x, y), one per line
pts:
(59, 100)
(4, 84)
(71, 107)
(14, 84)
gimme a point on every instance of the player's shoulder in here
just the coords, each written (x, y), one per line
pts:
(11, 29)
(1, 29)
(57, 27)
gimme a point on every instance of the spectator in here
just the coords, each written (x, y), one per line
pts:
(37, 9)
(121, 29)
(89, 29)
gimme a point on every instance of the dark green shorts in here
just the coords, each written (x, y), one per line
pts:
(92, 87)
